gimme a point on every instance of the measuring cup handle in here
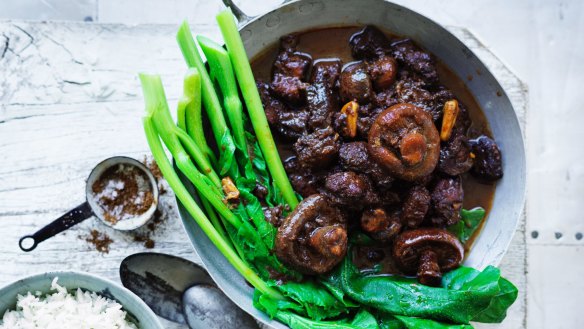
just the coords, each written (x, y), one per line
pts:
(71, 218)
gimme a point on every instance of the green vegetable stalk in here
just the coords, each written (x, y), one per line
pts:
(172, 137)
(253, 102)
(209, 96)
(222, 71)
(189, 119)
(189, 112)
(155, 101)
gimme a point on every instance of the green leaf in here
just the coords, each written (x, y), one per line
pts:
(272, 306)
(388, 321)
(365, 320)
(469, 223)
(255, 211)
(283, 310)
(226, 153)
(497, 310)
(339, 294)
(463, 297)
(418, 323)
(295, 321)
(318, 302)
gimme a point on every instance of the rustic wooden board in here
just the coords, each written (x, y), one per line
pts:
(70, 97)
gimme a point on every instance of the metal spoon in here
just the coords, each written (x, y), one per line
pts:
(181, 291)
(91, 208)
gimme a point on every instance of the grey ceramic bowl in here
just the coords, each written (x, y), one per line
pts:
(260, 32)
(138, 311)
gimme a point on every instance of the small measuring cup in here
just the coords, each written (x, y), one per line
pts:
(91, 208)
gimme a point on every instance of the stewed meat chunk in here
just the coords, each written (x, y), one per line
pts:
(407, 53)
(290, 62)
(319, 149)
(455, 158)
(369, 43)
(289, 123)
(416, 206)
(290, 89)
(322, 98)
(290, 71)
(380, 224)
(350, 190)
(304, 181)
(488, 165)
(355, 157)
(447, 197)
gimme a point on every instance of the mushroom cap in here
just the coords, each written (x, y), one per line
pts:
(409, 246)
(405, 141)
(383, 71)
(313, 238)
(355, 83)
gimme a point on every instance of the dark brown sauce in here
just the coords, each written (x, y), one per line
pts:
(334, 43)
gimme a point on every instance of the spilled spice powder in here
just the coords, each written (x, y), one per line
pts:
(99, 240)
(122, 192)
(145, 235)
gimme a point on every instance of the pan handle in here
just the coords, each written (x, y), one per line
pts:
(71, 218)
(242, 17)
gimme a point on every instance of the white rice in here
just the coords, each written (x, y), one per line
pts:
(62, 310)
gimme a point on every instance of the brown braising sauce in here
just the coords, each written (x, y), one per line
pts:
(333, 43)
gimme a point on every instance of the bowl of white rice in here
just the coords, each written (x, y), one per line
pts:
(72, 300)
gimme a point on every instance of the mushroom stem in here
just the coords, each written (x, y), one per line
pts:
(329, 240)
(429, 273)
(413, 148)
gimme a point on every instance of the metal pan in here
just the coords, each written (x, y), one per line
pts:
(260, 32)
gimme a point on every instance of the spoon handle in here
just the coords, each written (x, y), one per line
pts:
(71, 218)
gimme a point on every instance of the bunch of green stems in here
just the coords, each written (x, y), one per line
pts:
(217, 92)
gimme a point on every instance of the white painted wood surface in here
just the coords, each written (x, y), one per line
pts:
(540, 40)
(70, 98)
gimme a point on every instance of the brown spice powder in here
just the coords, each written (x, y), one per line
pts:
(123, 191)
(99, 240)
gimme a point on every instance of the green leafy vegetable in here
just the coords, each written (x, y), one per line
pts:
(387, 321)
(464, 296)
(295, 321)
(469, 223)
(318, 302)
(227, 149)
(155, 100)
(283, 311)
(365, 320)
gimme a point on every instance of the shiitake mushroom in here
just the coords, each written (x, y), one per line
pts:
(427, 253)
(405, 141)
(313, 238)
